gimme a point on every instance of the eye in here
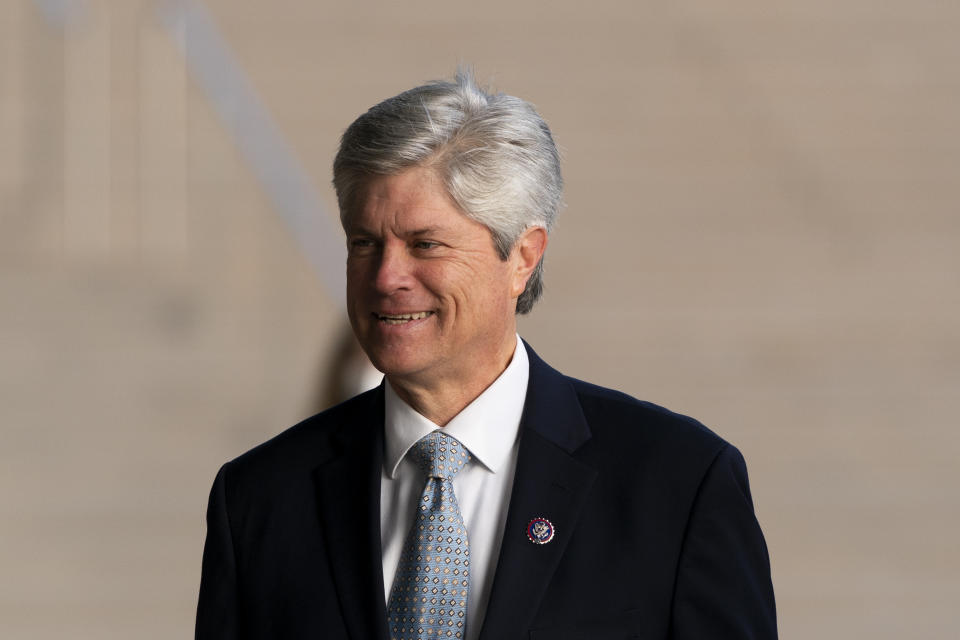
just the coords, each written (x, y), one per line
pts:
(360, 244)
(425, 244)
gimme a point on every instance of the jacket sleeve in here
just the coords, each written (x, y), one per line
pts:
(217, 609)
(723, 588)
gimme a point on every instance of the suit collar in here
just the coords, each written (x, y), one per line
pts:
(552, 408)
(549, 483)
(348, 500)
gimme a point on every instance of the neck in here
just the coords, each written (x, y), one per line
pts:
(440, 400)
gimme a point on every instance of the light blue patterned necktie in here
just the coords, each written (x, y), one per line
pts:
(429, 594)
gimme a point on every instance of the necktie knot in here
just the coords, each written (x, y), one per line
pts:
(440, 455)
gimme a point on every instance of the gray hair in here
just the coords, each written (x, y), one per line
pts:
(493, 153)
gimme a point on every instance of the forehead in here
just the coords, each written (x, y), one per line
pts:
(416, 196)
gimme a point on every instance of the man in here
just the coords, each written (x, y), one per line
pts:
(477, 492)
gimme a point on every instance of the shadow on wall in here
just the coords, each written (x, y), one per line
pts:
(348, 372)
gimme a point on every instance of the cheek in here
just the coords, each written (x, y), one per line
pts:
(482, 287)
(354, 267)
(352, 315)
(355, 295)
(357, 275)
(488, 291)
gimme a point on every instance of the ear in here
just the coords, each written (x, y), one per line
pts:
(527, 253)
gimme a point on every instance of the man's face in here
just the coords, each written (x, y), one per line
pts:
(429, 298)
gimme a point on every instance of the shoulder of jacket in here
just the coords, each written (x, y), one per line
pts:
(611, 409)
(305, 441)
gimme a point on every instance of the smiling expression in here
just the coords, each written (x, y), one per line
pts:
(431, 301)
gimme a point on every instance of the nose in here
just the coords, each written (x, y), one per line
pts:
(395, 269)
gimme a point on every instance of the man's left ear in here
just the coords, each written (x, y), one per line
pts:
(528, 250)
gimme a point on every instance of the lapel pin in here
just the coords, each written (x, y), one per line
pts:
(540, 531)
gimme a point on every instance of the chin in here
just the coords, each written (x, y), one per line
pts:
(393, 363)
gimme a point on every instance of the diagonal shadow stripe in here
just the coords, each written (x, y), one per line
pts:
(257, 136)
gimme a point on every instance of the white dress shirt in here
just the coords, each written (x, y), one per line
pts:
(488, 427)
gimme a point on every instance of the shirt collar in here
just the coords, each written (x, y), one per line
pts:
(488, 426)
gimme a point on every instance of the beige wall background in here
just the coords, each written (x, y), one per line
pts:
(762, 232)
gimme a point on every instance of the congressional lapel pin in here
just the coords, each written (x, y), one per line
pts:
(540, 531)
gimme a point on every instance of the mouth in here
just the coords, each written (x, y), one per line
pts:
(402, 318)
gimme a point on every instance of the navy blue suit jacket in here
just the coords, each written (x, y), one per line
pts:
(655, 530)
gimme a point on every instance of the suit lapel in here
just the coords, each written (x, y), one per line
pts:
(348, 491)
(549, 483)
